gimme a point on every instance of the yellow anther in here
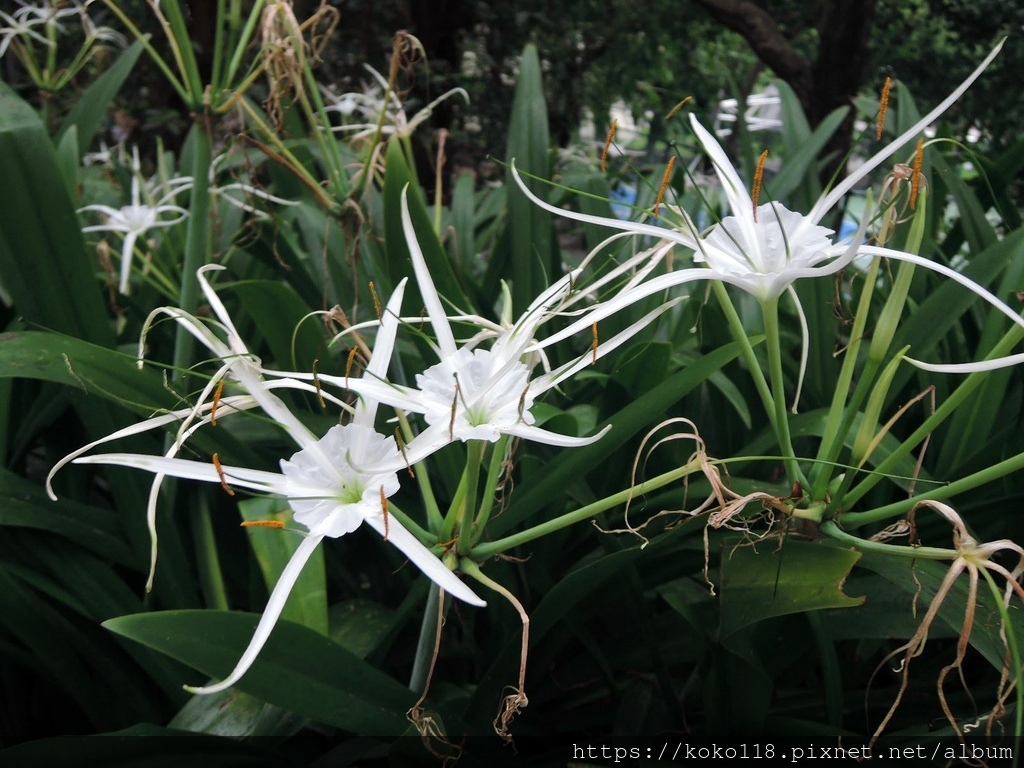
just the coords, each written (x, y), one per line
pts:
(607, 144)
(915, 177)
(677, 107)
(758, 178)
(593, 345)
(384, 508)
(262, 524)
(376, 300)
(220, 474)
(455, 405)
(216, 402)
(883, 105)
(664, 183)
(351, 359)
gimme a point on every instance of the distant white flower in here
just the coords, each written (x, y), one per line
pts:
(20, 25)
(371, 105)
(135, 219)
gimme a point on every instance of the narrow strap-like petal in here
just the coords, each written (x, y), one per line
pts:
(438, 319)
(424, 559)
(275, 605)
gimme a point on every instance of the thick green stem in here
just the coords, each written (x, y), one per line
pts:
(490, 486)
(944, 411)
(739, 334)
(492, 548)
(475, 456)
(830, 529)
(770, 309)
(982, 477)
(832, 436)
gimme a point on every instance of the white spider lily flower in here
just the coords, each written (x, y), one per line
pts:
(183, 183)
(237, 364)
(764, 251)
(480, 394)
(20, 25)
(333, 483)
(135, 219)
(395, 120)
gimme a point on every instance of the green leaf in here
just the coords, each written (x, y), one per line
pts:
(360, 625)
(278, 312)
(44, 266)
(93, 105)
(297, 670)
(24, 505)
(799, 576)
(233, 713)
(534, 260)
(397, 176)
(921, 578)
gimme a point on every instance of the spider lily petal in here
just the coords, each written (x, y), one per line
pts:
(991, 298)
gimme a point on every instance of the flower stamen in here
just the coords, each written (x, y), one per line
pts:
(348, 363)
(400, 442)
(758, 178)
(384, 509)
(376, 300)
(915, 177)
(455, 405)
(262, 524)
(883, 105)
(664, 183)
(220, 473)
(607, 144)
(216, 401)
(677, 107)
(593, 345)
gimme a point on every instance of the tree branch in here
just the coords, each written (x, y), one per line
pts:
(766, 39)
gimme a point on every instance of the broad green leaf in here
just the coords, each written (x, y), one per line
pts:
(298, 669)
(921, 578)
(235, 714)
(281, 316)
(360, 625)
(24, 505)
(772, 580)
(94, 104)
(44, 265)
(534, 260)
(307, 603)
(800, 165)
(397, 176)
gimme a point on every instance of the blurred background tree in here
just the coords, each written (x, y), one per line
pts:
(649, 56)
